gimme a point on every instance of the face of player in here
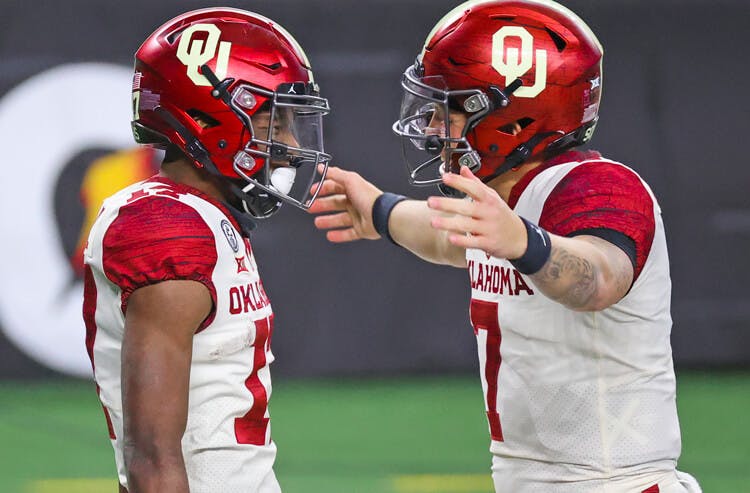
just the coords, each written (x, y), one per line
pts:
(450, 127)
(279, 130)
(446, 127)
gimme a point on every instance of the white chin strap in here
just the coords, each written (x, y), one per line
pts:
(282, 179)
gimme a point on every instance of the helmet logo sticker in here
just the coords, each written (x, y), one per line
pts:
(229, 233)
(512, 63)
(136, 105)
(194, 52)
(136, 94)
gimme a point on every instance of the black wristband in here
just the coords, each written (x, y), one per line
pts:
(538, 250)
(381, 212)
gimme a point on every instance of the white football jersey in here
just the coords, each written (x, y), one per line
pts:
(158, 230)
(579, 401)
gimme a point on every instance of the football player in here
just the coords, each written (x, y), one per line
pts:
(178, 323)
(565, 249)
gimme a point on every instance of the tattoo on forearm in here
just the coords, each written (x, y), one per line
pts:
(563, 264)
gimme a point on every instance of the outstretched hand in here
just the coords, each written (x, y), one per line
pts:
(346, 200)
(485, 222)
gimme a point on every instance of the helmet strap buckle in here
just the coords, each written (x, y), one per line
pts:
(471, 160)
(476, 102)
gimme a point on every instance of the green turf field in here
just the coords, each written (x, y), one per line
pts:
(363, 436)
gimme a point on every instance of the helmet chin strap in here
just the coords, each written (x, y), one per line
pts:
(517, 157)
(193, 146)
(520, 154)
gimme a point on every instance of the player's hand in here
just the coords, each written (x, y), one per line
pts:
(485, 222)
(346, 199)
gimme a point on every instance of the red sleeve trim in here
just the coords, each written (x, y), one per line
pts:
(601, 194)
(157, 239)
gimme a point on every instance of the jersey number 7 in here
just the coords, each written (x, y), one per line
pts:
(487, 329)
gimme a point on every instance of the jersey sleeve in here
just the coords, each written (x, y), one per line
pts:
(602, 196)
(158, 239)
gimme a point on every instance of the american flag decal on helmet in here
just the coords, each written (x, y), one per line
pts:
(137, 81)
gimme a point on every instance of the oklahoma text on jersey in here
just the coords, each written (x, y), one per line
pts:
(497, 279)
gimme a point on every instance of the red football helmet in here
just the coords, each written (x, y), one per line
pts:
(235, 92)
(526, 74)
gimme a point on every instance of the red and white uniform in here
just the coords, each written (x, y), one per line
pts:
(579, 401)
(156, 231)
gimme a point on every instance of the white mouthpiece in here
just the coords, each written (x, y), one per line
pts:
(282, 179)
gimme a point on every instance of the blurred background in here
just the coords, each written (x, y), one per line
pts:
(375, 386)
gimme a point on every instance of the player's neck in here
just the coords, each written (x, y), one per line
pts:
(184, 172)
(504, 183)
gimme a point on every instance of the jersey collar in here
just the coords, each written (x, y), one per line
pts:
(240, 220)
(564, 158)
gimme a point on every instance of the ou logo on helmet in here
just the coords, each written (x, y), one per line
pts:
(512, 63)
(194, 52)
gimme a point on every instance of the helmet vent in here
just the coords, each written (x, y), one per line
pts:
(503, 17)
(271, 66)
(456, 62)
(172, 37)
(515, 127)
(557, 39)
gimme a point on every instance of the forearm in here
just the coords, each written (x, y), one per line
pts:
(153, 472)
(410, 226)
(156, 358)
(584, 273)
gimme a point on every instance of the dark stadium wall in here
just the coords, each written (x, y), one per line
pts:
(674, 109)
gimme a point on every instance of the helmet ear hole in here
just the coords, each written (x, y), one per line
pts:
(509, 129)
(515, 127)
(203, 119)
